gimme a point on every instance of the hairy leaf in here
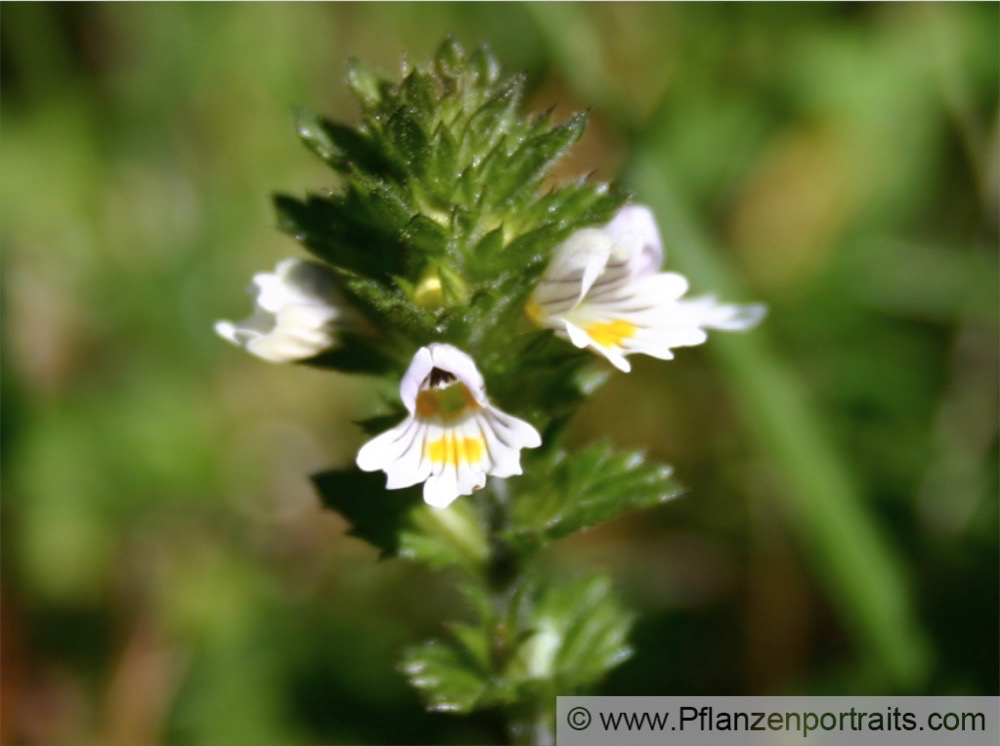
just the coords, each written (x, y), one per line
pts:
(354, 353)
(442, 537)
(565, 493)
(578, 631)
(448, 677)
(376, 515)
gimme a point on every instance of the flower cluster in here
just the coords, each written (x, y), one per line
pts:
(602, 290)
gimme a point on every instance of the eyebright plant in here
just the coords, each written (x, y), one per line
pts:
(446, 263)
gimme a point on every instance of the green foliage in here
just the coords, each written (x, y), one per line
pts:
(562, 493)
(442, 537)
(578, 631)
(449, 677)
(396, 522)
(555, 637)
(559, 494)
(438, 227)
(354, 353)
(350, 492)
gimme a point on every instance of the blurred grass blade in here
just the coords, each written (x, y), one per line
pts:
(853, 556)
(575, 46)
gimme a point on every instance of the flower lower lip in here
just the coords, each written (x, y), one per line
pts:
(453, 438)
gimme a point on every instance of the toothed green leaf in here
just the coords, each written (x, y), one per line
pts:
(563, 493)
(375, 515)
(448, 678)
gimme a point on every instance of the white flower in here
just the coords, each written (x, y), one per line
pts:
(603, 289)
(453, 438)
(296, 309)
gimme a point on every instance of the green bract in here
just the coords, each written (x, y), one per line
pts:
(441, 219)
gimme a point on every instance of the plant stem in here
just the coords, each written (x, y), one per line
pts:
(526, 722)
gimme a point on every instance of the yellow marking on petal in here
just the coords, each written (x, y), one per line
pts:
(534, 311)
(611, 333)
(474, 448)
(448, 403)
(453, 450)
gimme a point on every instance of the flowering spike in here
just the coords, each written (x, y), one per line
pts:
(438, 229)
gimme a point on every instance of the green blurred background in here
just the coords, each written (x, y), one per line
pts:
(168, 576)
